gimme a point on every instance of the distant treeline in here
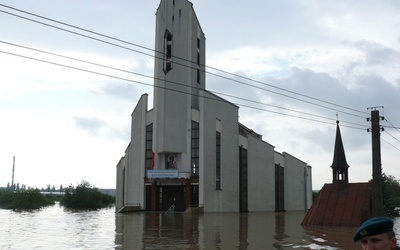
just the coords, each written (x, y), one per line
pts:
(50, 188)
(22, 187)
(83, 196)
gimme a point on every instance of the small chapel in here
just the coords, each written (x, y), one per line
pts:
(340, 203)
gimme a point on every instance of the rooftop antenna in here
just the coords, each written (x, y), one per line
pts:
(12, 180)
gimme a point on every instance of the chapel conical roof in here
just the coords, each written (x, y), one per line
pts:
(339, 157)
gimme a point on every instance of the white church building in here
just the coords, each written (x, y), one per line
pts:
(190, 150)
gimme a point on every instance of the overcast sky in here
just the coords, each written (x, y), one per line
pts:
(65, 125)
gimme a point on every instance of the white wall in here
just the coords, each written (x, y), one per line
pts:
(261, 175)
(226, 199)
(295, 183)
(119, 191)
(134, 160)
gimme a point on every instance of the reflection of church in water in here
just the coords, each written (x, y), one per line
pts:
(190, 150)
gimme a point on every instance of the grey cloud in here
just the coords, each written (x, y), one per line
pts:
(98, 127)
(119, 90)
(377, 59)
(371, 90)
(319, 86)
(91, 125)
(375, 90)
(238, 88)
(123, 134)
(377, 53)
(320, 83)
(282, 25)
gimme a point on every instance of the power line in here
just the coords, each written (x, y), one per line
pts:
(143, 47)
(292, 92)
(392, 126)
(154, 78)
(390, 144)
(72, 26)
(147, 84)
(76, 33)
(392, 136)
(288, 96)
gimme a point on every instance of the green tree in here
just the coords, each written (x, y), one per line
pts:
(315, 194)
(85, 196)
(6, 198)
(24, 200)
(391, 195)
(30, 199)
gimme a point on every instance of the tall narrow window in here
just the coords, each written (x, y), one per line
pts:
(195, 148)
(279, 188)
(243, 180)
(198, 60)
(167, 51)
(123, 186)
(149, 162)
(218, 161)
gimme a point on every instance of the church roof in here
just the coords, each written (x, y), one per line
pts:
(349, 206)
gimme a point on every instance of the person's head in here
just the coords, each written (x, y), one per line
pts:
(376, 233)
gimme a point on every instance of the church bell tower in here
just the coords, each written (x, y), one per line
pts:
(339, 164)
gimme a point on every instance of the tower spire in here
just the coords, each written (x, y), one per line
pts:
(339, 164)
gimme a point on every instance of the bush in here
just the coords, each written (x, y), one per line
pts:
(23, 200)
(315, 194)
(391, 195)
(6, 198)
(86, 196)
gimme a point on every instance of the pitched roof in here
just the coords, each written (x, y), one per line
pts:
(346, 206)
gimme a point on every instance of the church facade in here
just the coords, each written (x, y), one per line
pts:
(190, 150)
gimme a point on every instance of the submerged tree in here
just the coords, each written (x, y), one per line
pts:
(86, 196)
(24, 200)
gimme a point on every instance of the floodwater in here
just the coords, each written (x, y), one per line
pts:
(56, 228)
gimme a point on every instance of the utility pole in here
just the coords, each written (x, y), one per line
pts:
(377, 181)
(12, 180)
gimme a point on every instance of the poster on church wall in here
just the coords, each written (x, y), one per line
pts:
(162, 174)
(171, 161)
